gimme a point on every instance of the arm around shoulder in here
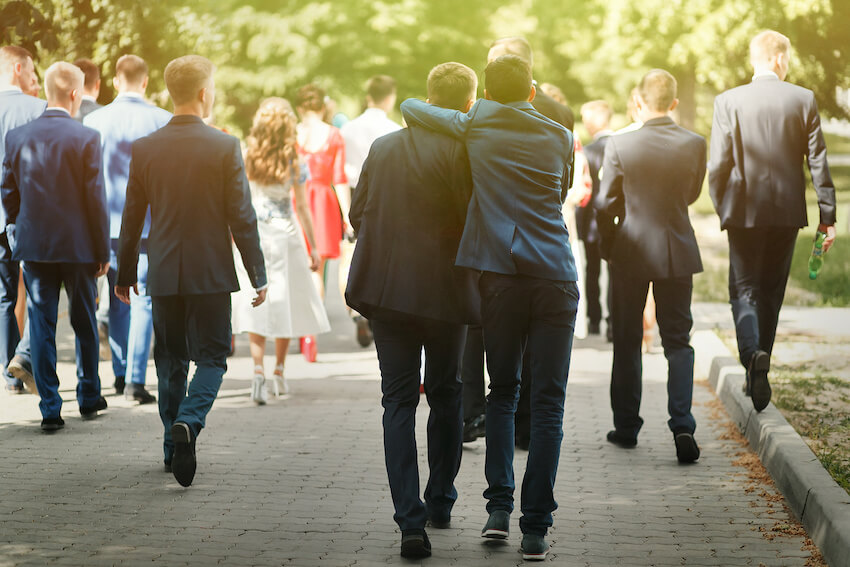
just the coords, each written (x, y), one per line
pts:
(446, 121)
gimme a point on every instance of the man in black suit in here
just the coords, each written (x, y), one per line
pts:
(91, 88)
(760, 133)
(193, 179)
(596, 116)
(409, 210)
(651, 176)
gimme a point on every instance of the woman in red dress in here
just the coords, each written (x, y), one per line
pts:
(322, 148)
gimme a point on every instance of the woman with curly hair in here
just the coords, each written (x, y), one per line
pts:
(293, 307)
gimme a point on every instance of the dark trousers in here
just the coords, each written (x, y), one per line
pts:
(43, 281)
(196, 328)
(593, 256)
(538, 316)
(673, 311)
(472, 373)
(9, 333)
(759, 264)
(399, 340)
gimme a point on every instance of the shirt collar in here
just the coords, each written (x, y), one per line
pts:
(760, 74)
(137, 96)
(65, 110)
(375, 111)
(89, 98)
(11, 89)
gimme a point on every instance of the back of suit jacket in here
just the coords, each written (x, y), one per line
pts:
(760, 134)
(16, 109)
(53, 191)
(128, 118)
(586, 216)
(193, 178)
(409, 210)
(651, 175)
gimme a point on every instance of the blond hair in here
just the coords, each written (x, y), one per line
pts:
(186, 76)
(60, 79)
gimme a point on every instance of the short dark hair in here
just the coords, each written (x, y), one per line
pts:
(132, 69)
(380, 88)
(90, 70)
(508, 79)
(658, 90)
(310, 97)
(452, 85)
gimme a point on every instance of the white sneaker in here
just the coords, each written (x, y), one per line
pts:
(259, 395)
(281, 386)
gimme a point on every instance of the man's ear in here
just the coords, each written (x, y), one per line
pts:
(145, 83)
(202, 95)
(673, 105)
(487, 95)
(469, 104)
(115, 82)
(532, 94)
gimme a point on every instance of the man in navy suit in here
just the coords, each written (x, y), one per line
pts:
(760, 134)
(651, 176)
(56, 222)
(128, 118)
(193, 178)
(516, 236)
(409, 210)
(17, 75)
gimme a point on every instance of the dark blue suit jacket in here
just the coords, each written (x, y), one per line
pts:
(16, 109)
(53, 192)
(121, 123)
(520, 175)
(409, 210)
(192, 177)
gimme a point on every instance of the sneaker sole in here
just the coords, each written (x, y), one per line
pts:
(535, 556)
(495, 534)
(760, 386)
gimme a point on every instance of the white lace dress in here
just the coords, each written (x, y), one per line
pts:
(293, 307)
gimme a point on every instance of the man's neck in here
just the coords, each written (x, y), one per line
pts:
(189, 110)
(54, 105)
(765, 71)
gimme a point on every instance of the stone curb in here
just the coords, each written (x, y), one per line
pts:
(822, 506)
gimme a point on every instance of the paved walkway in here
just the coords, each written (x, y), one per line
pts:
(301, 480)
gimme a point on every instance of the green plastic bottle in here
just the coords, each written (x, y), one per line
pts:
(816, 259)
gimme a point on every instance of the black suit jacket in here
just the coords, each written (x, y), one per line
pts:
(193, 178)
(409, 210)
(650, 177)
(594, 152)
(87, 107)
(554, 110)
(759, 136)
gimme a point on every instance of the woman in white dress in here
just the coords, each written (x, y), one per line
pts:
(293, 307)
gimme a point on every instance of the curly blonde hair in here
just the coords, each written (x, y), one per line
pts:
(271, 157)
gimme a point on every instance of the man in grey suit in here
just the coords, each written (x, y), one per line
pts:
(193, 178)
(760, 134)
(651, 176)
(91, 88)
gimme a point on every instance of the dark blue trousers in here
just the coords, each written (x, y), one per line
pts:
(399, 340)
(538, 315)
(43, 281)
(196, 328)
(673, 311)
(9, 333)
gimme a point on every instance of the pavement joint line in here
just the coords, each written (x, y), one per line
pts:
(820, 504)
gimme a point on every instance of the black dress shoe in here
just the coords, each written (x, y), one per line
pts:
(474, 428)
(440, 520)
(138, 393)
(621, 439)
(90, 412)
(183, 463)
(593, 328)
(522, 441)
(119, 385)
(687, 450)
(759, 384)
(52, 424)
(415, 543)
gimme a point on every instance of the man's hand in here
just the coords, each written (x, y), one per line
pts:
(261, 296)
(101, 270)
(830, 236)
(122, 292)
(315, 260)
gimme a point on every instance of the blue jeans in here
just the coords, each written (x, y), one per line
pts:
(43, 282)
(130, 326)
(538, 315)
(196, 328)
(399, 341)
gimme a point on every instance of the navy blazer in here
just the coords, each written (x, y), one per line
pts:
(588, 229)
(760, 134)
(409, 210)
(650, 177)
(53, 192)
(192, 177)
(520, 176)
(16, 109)
(121, 123)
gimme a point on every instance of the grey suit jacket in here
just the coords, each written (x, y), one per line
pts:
(759, 136)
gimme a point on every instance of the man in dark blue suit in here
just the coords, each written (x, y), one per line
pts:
(193, 178)
(516, 236)
(91, 87)
(17, 74)
(651, 175)
(409, 210)
(55, 205)
(128, 118)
